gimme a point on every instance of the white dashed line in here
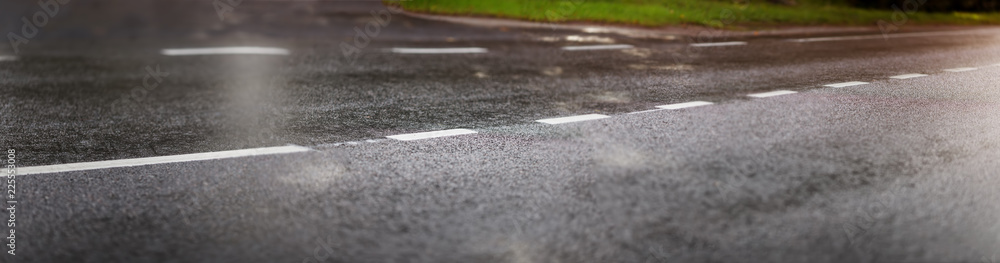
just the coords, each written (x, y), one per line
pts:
(8, 58)
(225, 51)
(596, 47)
(882, 36)
(451, 50)
(684, 105)
(908, 76)
(719, 44)
(959, 69)
(432, 134)
(772, 93)
(573, 118)
(58, 168)
(845, 84)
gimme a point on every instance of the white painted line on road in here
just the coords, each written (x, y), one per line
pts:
(959, 69)
(58, 168)
(574, 118)
(772, 93)
(908, 76)
(684, 105)
(882, 36)
(450, 50)
(596, 47)
(8, 58)
(432, 134)
(225, 51)
(845, 84)
(719, 44)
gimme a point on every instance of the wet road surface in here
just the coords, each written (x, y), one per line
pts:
(897, 169)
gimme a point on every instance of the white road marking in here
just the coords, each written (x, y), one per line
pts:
(225, 51)
(431, 134)
(959, 69)
(845, 84)
(719, 44)
(574, 118)
(596, 47)
(883, 36)
(772, 93)
(450, 50)
(684, 105)
(908, 76)
(8, 58)
(58, 168)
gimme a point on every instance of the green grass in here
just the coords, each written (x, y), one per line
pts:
(714, 13)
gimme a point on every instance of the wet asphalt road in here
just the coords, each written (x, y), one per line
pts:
(892, 171)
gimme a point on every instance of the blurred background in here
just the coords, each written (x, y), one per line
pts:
(200, 18)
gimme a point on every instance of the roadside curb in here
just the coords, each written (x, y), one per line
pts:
(670, 32)
(501, 22)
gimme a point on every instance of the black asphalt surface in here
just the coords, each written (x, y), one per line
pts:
(898, 170)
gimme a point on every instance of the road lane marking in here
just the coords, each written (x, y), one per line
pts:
(58, 168)
(772, 93)
(450, 50)
(596, 47)
(883, 36)
(959, 69)
(225, 51)
(908, 76)
(430, 134)
(719, 44)
(8, 58)
(576, 118)
(684, 105)
(845, 84)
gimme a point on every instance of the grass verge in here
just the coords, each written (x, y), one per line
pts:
(714, 13)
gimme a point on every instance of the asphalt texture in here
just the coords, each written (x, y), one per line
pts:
(897, 170)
